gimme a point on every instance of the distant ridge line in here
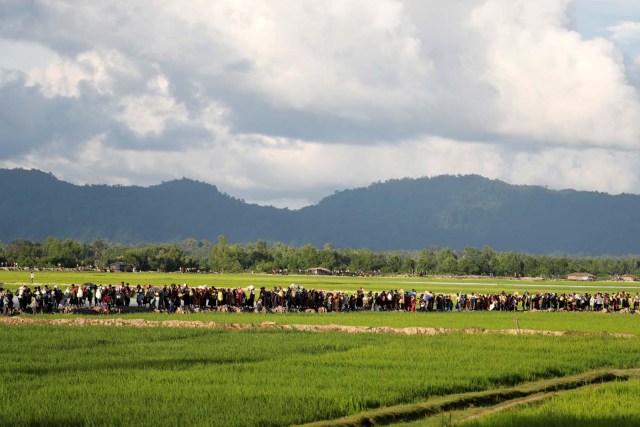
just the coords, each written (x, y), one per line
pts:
(442, 211)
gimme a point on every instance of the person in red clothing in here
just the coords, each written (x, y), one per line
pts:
(106, 303)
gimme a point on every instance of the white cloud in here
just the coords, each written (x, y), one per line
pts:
(268, 172)
(632, 65)
(62, 76)
(24, 56)
(625, 32)
(552, 85)
(332, 56)
(289, 100)
(150, 112)
(591, 169)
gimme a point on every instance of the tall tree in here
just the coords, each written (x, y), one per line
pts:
(224, 258)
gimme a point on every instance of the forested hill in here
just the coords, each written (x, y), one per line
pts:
(36, 205)
(446, 211)
(459, 211)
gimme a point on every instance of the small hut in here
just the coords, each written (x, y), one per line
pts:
(583, 277)
(120, 267)
(319, 271)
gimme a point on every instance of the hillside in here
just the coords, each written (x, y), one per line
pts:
(452, 211)
(36, 205)
(474, 211)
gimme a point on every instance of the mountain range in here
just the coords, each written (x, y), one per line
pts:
(443, 211)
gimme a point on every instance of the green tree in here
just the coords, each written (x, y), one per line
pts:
(25, 253)
(488, 261)
(328, 257)
(259, 258)
(286, 257)
(3, 254)
(447, 263)
(309, 257)
(427, 261)
(471, 262)
(408, 266)
(67, 253)
(510, 264)
(393, 264)
(224, 257)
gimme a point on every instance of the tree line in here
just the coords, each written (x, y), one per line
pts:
(225, 257)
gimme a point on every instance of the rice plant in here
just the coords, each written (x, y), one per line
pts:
(163, 376)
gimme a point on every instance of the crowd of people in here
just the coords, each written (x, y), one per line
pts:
(170, 298)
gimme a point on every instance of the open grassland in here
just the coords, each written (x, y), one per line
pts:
(165, 376)
(12, 279)
(612, 404)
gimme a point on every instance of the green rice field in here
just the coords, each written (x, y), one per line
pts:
(55, 374)
(126, 376)
(612, 404)
(13, 279)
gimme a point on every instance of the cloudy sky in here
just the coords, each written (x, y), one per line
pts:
(283, 102)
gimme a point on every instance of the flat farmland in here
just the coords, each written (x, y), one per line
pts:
(353, 368)
(13, 279)
(613, 404)
(61, 375)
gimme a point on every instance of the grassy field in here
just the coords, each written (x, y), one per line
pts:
(470, 407)
(435, 284)
(98, 375)
(613, 404)
(163, 376)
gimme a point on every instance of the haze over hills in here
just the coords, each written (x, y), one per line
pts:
(445, 211)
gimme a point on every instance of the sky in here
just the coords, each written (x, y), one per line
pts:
(283, 102)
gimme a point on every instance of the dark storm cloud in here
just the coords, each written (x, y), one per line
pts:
(29, 120)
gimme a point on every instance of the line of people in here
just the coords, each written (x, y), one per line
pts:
(170, 298)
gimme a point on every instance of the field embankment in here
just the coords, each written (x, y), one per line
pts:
(142, 323)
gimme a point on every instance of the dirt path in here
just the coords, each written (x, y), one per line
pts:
(142, 323)
(506, 405)
(621, 374)
(493, 400)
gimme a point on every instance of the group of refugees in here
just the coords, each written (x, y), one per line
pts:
(50, 300)
(171, 298)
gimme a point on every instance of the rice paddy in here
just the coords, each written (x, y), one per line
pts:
(13, 278)
(125, 375)
(151, 376)
(612, 404)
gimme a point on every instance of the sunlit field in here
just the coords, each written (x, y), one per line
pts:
(611, 404)
(12, 279)
(137, 373)
(135, 376)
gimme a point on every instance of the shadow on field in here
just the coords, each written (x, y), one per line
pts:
(550, 420)
(178, 363)
(46, 421)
